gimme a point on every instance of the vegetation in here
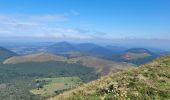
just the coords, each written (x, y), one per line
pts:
(48, 87)
(41, 76)
(140, 61)
(149, 82)
(102, 66)
(16, 80)
(18, 89)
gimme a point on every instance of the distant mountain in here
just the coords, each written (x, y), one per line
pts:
(93, 49)
(136, 53)
(139, 50)
(158, 51)
(137, 56)
(116, 49)
(5, 53)
(61, 47)
(115, 53)
(86, 48)
(148, 82)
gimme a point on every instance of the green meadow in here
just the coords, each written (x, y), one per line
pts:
(47, 87)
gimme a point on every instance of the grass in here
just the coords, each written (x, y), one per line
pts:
(149, 82)
(48, 87)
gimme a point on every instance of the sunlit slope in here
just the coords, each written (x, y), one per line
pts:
(149, 82)
(46, 87)
(102, 66)
(40, 57)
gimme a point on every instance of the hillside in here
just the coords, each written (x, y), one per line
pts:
(16, 80)
(136, 53)
(136, 56)
(102, 66)
(39, 57)
(149, 82)
(5, 53)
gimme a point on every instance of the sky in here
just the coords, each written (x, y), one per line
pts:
(85, 20)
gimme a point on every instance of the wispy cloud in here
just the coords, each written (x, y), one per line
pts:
(47, 18)
(38, 26)
(3, 17)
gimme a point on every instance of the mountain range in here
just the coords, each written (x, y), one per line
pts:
(85, 71)
(133, 55)
(115, 53)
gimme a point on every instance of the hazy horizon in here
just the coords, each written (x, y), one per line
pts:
(138, 23)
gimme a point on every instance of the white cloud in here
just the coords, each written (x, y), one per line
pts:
(47, 18)
(39, 27)
(2, 17)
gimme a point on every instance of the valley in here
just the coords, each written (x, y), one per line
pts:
(62, 67)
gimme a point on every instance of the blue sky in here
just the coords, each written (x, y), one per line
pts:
(85, 19)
